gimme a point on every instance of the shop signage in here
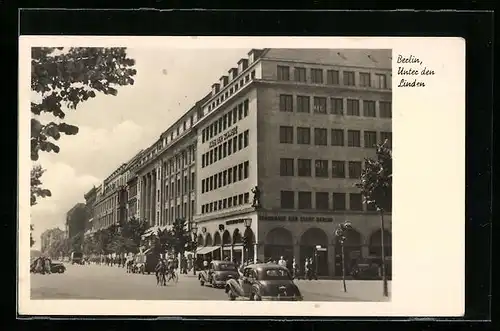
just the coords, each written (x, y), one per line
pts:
(224, 137)
(237, 221)
(295, 218)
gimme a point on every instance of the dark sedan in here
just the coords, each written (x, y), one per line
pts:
(218, 273)
(56, 267)
(264, 282)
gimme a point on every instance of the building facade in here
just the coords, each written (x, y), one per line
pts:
(76, 218)
(280, 147)
(166, 174)
(49, 236)
(90, 201)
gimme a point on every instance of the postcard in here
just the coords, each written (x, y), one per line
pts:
(180, 176)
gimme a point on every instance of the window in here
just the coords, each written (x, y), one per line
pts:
(185, 183)
(229, 202)
(305, 200)
(354, 169)
(235, 174)
(286, 134)
(215, 153)
(245, 169)
(385, 109)
(319, 105)
(322, 200)
(235, 144)
(353, 138)
(320, 137)
(246, 198)
(303, 104)
(321, 168)
(229, 176)
(337, 105)
(338, 169)
(337, 137)
(352, 107)
(355, 202)
(332, 77)
(381, 81)
(349, 78)
(287, 199)
(219, 148)
(245, 139)
(283, 73)
(240, 112)
(229, 147)
(240, 141)
(370, 139)
(369, 108)
(229, 118)
(300, 75)
(240, 171)
(224, 149)
(220, 179)
(317, 76)
(303, 136)
(235, 115)
(386, 136)
(286, 103)
(304, 166)
(364, 79)
(224, 178)
(245, 108)
(286, 167)
(338, 201)
(235, 200)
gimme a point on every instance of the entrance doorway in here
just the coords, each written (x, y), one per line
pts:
(279, 242)
(308, 242)
(352, 252)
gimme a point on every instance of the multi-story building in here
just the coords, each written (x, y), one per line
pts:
(110, 205)
(131, 209)
(166, 173)
(49, 236)
(281, 144)
(90, 200)
(76, 218)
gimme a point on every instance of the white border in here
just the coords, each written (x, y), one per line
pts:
(429, 185)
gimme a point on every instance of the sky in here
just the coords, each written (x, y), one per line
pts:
(114, 128)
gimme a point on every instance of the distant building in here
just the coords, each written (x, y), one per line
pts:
(48, 237)
(76, 218)
(90, 200)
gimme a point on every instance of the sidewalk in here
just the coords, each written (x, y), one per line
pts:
(357, 290)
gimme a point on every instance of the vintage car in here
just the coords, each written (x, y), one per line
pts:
(218, 273)
(264, 282)
(56, 267)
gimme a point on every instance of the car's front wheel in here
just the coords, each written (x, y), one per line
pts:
(255, 297)
(231, 295)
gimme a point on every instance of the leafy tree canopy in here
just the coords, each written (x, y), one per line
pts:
(376, 179)
(36, 184)
(32, 241)
(64, 78)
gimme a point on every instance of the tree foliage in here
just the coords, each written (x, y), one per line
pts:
(32, 241)
(376, 179)
(64, 78)
(36, 184)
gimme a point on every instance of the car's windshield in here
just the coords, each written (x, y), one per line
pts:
(225, 267)
(77, 255)
(274, 274)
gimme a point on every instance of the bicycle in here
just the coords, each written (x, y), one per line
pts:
(172, 276)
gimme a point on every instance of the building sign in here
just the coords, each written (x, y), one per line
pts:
(224, 137)
(295, 218)
(237, 221)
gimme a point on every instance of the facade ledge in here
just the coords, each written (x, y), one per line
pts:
(315, 87)
(206, 218)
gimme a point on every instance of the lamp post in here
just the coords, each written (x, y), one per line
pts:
(247, 240)
(221, 230)
(194, 229)
(340, 233)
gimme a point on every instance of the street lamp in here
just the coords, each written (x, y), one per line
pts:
(221, 230)
(194, 229)
(247, 239)
(340, 233)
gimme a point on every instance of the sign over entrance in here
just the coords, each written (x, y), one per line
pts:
(295, 218)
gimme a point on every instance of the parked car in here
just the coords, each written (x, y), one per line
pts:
(76, 258)
(264, 282)
(56, 267)
(146, 262)
(218, 273)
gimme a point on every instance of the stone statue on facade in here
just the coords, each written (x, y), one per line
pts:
(256, 197)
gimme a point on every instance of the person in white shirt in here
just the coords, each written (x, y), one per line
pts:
(282, 262)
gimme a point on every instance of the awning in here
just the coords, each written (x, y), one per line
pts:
(207, 249)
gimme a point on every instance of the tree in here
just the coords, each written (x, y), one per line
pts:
(133, 230)
(376, 188)
(181, 238)
(36, 183)
(32, 241)
(67, 77)
(162, 242)
(64, 78)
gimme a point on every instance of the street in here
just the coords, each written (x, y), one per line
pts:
(94, 282)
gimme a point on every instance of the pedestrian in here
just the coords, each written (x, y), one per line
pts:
(205, 264)
(307, 272)
(312, 266)
(47, 265)
(294, 268)
(282, 262)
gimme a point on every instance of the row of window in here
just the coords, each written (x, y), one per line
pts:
(337, 137)
(176, 189)
(231, 90)
(226, 203)
(320, 105)
(180, 161)
(321, 168)
(322, 201)
(227, 177)
(225, 121)
(225, 149)
(332, 77)
(181, 211)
